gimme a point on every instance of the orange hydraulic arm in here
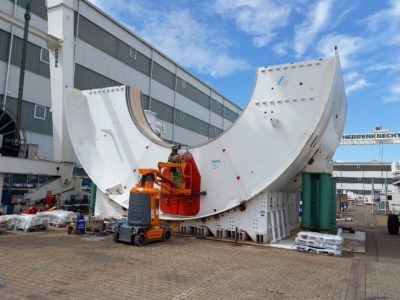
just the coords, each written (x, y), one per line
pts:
(167, 185)
(179, 187)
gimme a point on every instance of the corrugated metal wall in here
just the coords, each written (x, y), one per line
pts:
(106, 42)
(4, 45)
(33, 62)
(163, 76)
(86, 79)
(28, 122)
(38, 7)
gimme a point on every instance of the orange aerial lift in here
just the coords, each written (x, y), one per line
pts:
(143, 224)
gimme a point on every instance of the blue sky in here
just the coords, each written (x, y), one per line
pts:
(223, 41)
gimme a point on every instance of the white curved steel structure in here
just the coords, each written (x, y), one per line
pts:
(295, 116)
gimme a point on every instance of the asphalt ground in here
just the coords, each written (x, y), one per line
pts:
(54, 265)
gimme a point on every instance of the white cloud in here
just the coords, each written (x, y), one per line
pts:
(354, 82)
(394, 94)
(351, 76)
(192, 44)
(281, 48)
(388, 65)
(357, 85)
(348, 47)
(178, 34)
(258, 18)
(316, 19)
(395, 89)
(385, 16)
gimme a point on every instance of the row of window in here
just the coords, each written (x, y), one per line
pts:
(359, 192)
(37, 60)
(361, 167)
(108, 43)
(166, 113)
(34, 117)
(366, 180)
(88, 79)
(38, 7)
(101, 39)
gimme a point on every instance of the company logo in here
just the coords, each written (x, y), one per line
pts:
(216, 163)
(388, 135)
(56, 57)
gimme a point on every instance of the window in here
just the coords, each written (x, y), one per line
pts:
(183, 84)
(133, 53)
(40, 112)
(44, 56)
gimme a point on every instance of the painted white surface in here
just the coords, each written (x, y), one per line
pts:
(254, 154)
(61, 25)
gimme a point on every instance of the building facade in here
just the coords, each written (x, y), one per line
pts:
(106, 54)
(368, 181)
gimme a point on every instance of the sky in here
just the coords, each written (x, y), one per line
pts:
(222, 42)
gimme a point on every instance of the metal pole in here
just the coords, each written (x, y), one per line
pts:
(236, 235)
(22, 72)
(9, 58)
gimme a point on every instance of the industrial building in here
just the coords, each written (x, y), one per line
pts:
(191, 111)
(368, 180)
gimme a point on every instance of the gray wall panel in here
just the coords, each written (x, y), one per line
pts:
(163, 76)
(38, 7)
(193, 108)
(28, 122)
(4, 45)
(375, 180)
(33, 62)
(187, 121)
(162, 93)
(106, 42)
(229, 114)
(164, 111)
(86, 79)
(187, 137)
(214, 131)
(216, 107)
(189, 91)
(145, 101)
(361, 167)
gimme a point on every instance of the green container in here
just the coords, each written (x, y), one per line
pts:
(92, 203)
(325, 202)
(315, 202)
(333, 205)
(306, 201)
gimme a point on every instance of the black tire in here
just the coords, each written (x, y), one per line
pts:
(140, 239)
(116, 237)
(69, 230)
(166, 234)
(393, 224)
